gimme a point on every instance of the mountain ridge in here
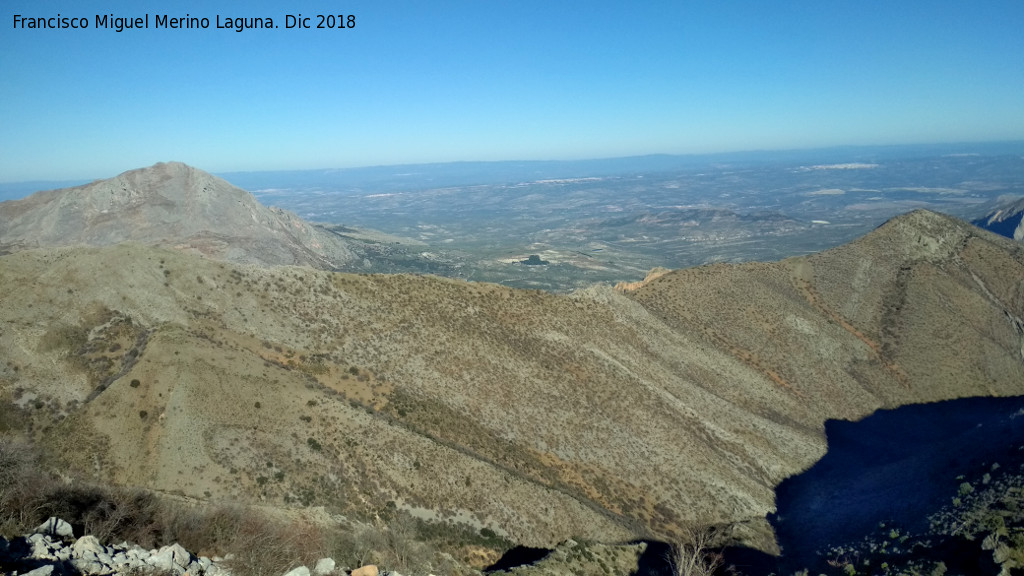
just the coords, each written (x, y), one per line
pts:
(524, 412)
(169, 204)
(1006, 220)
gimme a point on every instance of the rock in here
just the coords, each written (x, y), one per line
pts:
(300, 571)
(55, 527)
(324, 566)
(89, 566)
(172, 557)
(368, 570)
(40, 549)
(41, 571)
(87, 544)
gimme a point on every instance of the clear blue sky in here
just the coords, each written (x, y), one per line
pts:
(422, 81)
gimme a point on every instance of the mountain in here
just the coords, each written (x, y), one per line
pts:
(598, 414)
(174, 205)
(1007, 220)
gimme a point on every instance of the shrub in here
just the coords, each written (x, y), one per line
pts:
(266, 548)
(23, 488)
(694, 556)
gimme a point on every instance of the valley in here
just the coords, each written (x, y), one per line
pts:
(258, 370)
(610, 222)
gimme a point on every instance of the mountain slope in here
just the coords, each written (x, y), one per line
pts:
(598, 414)
(174, 205)
(1007, 220)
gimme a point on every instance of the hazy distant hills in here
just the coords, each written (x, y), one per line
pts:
(595, 414)
(611, 221)
(1007, 220)
(174, 205)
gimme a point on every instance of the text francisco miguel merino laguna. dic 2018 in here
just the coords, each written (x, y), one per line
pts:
(165, 21)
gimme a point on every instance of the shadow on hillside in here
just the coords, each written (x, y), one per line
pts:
(893, 469)
(881, 480)
(655, 560)
(518, 556)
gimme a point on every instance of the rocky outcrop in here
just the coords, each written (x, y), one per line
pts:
(1006, 220)
(53, 550)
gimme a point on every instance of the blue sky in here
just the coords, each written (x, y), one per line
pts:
(438, 81)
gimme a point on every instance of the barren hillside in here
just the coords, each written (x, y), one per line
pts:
(174, 205)
(599, 414)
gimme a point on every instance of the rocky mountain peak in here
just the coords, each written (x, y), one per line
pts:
(169, 204)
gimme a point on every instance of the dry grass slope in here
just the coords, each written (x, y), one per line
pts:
(595, 415)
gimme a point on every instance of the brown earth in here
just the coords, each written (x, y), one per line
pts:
(596, 415)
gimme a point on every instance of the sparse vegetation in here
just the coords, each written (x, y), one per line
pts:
(694, 555)
(533, 410)
(261, 546)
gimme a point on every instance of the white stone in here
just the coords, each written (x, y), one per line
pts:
(324, 566)
(89, 566)
(40, 550)
(172, 557)
(85, 544)
(56, 527)
(300, 571)
(41, 571)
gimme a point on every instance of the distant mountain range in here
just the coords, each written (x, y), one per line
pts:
(599, 414)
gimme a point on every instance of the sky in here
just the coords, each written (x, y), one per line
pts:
(465, 80)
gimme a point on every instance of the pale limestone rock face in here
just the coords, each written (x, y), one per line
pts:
(1007, 220)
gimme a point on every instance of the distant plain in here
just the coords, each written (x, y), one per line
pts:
(609, 221)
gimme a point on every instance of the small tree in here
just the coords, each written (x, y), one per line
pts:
(693, 555)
